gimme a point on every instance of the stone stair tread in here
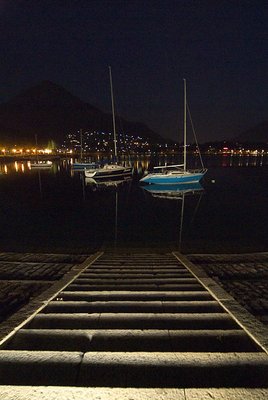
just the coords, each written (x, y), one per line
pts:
(133, 306)
(133, 320)
(116, 270)
(136, 287)
(175, 369)
(132, 340)
(139, 369)
(133, 280)
(132, 295)
(127, 275)
(39, 367)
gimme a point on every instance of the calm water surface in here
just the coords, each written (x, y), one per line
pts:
(57, 210)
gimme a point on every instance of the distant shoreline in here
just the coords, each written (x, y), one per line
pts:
(12, 157)
(76, 156)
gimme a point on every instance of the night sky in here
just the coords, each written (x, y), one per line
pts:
(220, 47)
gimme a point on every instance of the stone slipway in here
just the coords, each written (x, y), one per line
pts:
(132, 325)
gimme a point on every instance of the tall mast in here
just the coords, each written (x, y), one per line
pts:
(184, 126)
(112, 98)
(81, 145)
(37, 158)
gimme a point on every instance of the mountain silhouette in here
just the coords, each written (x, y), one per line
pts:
(50, 111)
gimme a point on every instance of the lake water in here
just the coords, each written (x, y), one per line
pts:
(57, 211)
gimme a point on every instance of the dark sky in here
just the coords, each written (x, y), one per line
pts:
(219, 46)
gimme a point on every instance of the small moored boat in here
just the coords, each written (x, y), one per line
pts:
(41, 164)
(109, 171)
(176, 174)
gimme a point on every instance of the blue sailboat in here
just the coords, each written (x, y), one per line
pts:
(176, 174)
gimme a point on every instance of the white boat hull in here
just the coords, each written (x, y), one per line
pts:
(112, 171)
(173, 177)
(42, 165)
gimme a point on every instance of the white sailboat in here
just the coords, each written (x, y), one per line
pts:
(40, 164)
(176, 174)
(110, 171)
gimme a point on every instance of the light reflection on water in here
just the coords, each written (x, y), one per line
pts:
(57, 210)
(145, 163)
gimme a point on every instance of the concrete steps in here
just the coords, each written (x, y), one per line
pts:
(134, 321)
(139, 369)
(133, 307)
(137, 287)
(133, 295)
(132, 340)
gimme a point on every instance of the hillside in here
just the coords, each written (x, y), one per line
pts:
(50, 111)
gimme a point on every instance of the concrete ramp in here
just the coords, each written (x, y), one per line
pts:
(132, 325)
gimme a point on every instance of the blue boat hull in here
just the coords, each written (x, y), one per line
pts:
(171, 179)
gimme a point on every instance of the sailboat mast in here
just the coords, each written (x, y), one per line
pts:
(184, 126)
(112, 98)
(81, 145)
(37, 158)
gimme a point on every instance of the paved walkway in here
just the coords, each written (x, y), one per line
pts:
(72, 393)
(244, 276)
(23, 276)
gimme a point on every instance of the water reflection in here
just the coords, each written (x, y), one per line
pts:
(140, 164)
(238, 160)
(17, 167)
(104, 185)
(65, 211)
(179, 193)
(40, 184)
(111, 186)
(172, 192)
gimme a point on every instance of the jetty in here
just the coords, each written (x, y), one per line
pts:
(130, 324)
